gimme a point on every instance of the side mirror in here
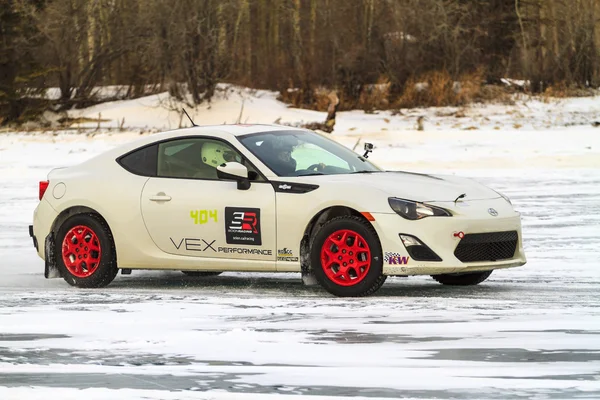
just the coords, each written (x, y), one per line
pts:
(234, 171)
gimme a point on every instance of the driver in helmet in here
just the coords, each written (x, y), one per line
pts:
(281, 158)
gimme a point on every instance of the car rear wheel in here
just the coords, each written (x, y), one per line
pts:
(469, 279)
(86, 257)
(346, 257)
(202, 273)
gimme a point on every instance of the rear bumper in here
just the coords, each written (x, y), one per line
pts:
(32, 236)
(438, 233)
(43, 218)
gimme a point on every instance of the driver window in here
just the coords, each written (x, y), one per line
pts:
(197, 158)
(308, 154)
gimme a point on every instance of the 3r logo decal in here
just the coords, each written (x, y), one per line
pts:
(242, 226)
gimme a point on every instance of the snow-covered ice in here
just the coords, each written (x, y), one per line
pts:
(531, 332)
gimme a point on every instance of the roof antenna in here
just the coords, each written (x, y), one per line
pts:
(193, 124)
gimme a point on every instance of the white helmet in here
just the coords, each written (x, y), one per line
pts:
(215, 154)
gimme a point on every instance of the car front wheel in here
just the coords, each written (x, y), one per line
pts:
(469, 279)
(86, 257)
(346, 257)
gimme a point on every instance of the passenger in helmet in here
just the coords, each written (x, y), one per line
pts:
(215, 154)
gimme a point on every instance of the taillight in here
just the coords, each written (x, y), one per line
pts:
(43, 187)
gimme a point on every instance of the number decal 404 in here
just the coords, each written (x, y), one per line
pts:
(203, 216)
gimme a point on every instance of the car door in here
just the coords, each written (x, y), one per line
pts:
(189, 211)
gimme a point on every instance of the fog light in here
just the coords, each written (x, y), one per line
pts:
(410, 241)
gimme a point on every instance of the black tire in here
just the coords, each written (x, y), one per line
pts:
(469, 279)
(107, 267)
(374, 277)
(197, 274)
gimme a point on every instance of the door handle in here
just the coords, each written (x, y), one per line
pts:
(160, 197)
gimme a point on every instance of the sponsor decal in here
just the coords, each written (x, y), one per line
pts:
(288, 259)
(286, 254)
(242, 226)
(395, 259)
(201, 217)
(285, 187)
(237, 250)
(193, 244)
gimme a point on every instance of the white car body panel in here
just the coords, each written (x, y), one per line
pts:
(151, 234)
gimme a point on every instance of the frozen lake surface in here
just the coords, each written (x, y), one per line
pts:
(530, 332)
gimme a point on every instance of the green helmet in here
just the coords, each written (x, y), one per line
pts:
(215, 154)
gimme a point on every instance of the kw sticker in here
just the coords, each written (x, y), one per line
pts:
(193, 244)
(286, 254)
(201, 217)
(242, 226)
(395, 259)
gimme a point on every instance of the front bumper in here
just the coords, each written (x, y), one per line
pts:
(438, 233)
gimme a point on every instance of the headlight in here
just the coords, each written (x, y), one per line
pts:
(413, 210)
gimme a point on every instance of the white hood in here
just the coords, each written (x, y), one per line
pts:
(412, 186)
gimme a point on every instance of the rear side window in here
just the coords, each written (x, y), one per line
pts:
(142, 161)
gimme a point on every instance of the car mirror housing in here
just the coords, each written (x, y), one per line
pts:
(234, 171)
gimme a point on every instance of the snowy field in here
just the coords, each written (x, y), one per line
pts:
(530, 332)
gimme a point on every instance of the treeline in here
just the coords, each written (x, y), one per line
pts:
(294, 46)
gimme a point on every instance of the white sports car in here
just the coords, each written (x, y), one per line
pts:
(267, 198)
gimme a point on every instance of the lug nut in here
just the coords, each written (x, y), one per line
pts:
(345, 264)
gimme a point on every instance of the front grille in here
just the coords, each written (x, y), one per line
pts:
(491, 246)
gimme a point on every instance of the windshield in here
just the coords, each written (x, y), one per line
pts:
(302, 153)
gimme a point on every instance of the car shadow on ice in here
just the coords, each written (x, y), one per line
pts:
(291, 284)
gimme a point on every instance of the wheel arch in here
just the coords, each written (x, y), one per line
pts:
(75, 210)
(78, 210)
(315, 223)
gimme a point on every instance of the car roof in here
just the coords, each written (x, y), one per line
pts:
(221, 131)
(213, 130)
(235, 130)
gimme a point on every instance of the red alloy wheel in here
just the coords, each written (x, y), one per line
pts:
(81, 251)
(345, 257)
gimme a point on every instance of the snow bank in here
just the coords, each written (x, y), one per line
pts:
(528, 134)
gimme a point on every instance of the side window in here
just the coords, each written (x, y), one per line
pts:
(195, 158)
(142, 161)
